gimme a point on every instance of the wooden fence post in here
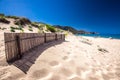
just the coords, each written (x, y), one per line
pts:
(45, 38)
(56, 37)
(61, 36)
(64, 37)
(18, 46)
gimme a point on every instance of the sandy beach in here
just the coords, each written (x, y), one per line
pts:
(77, 58)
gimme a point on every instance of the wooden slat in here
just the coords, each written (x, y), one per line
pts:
(27, 42)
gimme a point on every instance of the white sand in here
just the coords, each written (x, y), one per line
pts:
(78, 58)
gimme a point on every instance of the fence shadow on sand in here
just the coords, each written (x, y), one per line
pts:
(29, 58)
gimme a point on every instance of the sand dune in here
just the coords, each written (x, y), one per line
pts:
(78, 58)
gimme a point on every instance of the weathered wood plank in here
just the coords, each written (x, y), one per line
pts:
(16, 47)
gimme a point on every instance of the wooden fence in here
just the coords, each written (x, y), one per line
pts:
(16, 44)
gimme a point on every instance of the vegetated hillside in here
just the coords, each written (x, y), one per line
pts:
(74, 31)
(67, 28)
(22, 24)
(86, 32)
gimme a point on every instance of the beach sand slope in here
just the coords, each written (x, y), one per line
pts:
(77, 58)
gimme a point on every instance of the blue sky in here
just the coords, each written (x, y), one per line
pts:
(92, 15)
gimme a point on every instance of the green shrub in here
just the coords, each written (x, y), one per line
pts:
(39, 31)
(34, 24)
(12, 29)
(20, 28)
(30, 28)
(22, 31)
(50, 28)
(3, 20)
(3, 28)
(39, 27)
(58, 30)
(1, 15)
(17, 28)
(14, 17)
(22, 21)
(66, 34)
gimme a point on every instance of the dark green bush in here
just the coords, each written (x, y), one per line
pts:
(12, 29)
(20, 27)
(3, 28)
(39, 31)
(30, 28)
(1, 14)
(34, 24)
(22, 21)
(14, 17)
(50, 28)
(17, 28)
(3, 20)
(40, 27)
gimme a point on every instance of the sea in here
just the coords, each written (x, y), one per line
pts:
(113, 36)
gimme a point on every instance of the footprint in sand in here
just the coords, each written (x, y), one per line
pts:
(118, 64)
(68, 52)
(94, 78)
(14, 77)
(40, 73)
(108, 76)
(75, 56)
(54, 63)
(79, 70)
(76, 78)
(117, 73)
(72, 62)
(3, 62)
(3, 72)
(65, 72)
(55, 77)
(117, 69)
(65, 58)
